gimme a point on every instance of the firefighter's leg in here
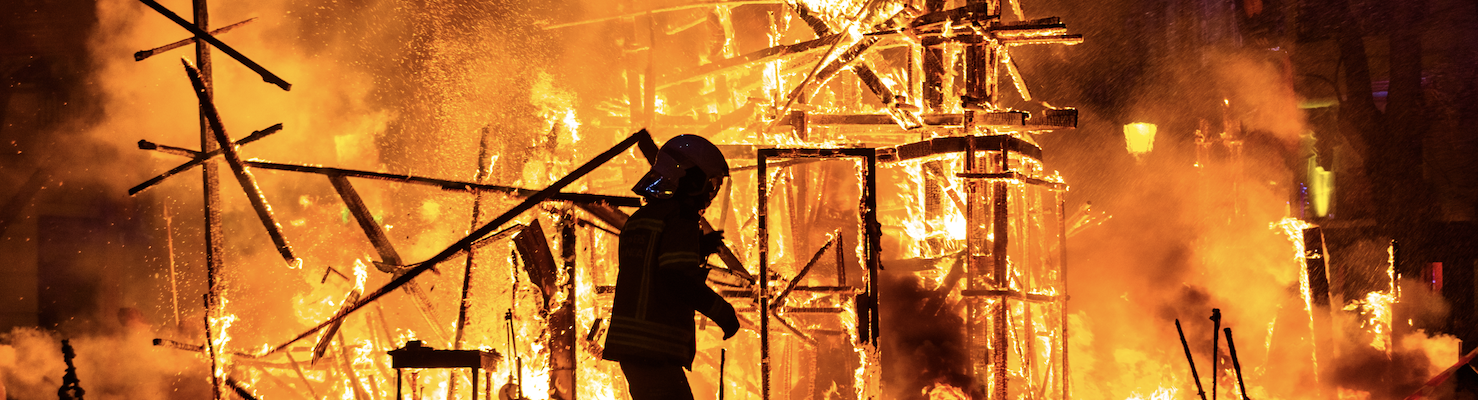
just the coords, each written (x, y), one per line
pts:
(656, 381)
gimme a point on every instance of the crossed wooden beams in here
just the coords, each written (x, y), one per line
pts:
(209, 37)
(337, 176)
(601, 206)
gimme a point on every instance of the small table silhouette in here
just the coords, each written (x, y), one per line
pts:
(416, 355)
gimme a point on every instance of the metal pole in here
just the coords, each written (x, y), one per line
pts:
(1197, 378)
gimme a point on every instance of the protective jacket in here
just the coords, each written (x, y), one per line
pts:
(659, 285)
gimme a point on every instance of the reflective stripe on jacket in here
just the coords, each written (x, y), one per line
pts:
(660, 283)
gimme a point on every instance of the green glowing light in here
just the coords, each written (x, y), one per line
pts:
(1321, 188)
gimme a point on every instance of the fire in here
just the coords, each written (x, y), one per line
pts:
(1376, 309)
(1163, 393)
(941, 391)
(455, 92)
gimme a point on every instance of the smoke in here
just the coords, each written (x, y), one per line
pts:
(1262, 84)
(381, 85)
(120, 366)
(406, 86)
(923, 348)
(1195, 227)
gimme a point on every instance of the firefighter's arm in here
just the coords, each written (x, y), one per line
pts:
(683, 255)
(723, 314)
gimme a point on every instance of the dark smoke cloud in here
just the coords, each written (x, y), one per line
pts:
(922, 349)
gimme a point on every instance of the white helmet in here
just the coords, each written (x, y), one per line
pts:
(673, 161)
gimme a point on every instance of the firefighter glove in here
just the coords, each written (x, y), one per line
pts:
(723, 314)
(710, 243)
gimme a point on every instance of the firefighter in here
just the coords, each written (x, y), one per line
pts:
(660, 283)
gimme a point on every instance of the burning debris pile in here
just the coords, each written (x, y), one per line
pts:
(895, 232)
(1003, 295)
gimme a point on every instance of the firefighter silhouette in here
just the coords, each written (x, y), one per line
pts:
(660, 283)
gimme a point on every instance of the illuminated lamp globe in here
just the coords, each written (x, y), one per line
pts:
(1139, 138)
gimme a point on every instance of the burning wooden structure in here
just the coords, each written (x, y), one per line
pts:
(886, 139)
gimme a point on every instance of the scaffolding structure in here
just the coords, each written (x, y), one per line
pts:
(979, 221)
(950, 192)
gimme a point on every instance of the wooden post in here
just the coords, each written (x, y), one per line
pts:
(562, 354)
(215, 244)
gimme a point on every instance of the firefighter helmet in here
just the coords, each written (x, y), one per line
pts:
(676, 157)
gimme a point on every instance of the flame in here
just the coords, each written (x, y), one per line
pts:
(1162, 393)
(1351, 394)
(1294, 229)
(940, 391)
(1376, 309)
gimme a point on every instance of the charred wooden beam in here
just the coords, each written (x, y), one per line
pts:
(972, 13)
(630, 15)
(444, 184)
(936, 300)
(423, 304)
(725, 254)
(143, 54)
(243, 175)
(298, 368)
(208, 38)
(328, 335)
(807, 339)
(197, 348)
(348, 366)
(1072, 39)
(999, 119)
(822, 75)
(538, 260)
(863, 71)
(780, 298)
(480, 243)
(1236, 364)
(361, 213)
(466, 242)
(1011, 294)
(832, 68)
(275, 380)
(483, 165)
(198, 157)
(1050, 26)
(1215, 353)
(757, 56)
(179, 346)
(1194, 376)
(562, 339)
(606, 213)
(739, 116)
(240, 389)
(210, 348)
(1316, 267)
